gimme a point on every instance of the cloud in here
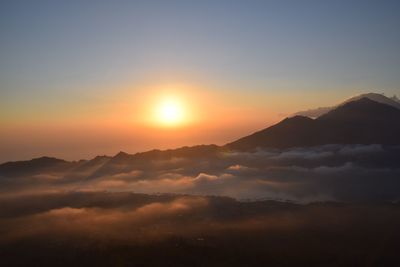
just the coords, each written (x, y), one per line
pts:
(101, 222)
(308, 154)
(360, 149)
(334, 172)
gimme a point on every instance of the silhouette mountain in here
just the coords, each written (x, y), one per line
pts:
(123, 162)
(104, 165)
(33, 166)
(363, 121)
(380, 98)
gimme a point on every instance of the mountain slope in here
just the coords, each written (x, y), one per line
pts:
(358, 122)
(290, 132)
(124, 163)
(37, 165)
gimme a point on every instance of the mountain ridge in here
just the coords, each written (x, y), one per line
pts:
(380, 98)
(362, 121)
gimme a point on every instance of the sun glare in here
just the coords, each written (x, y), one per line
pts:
(170, 112)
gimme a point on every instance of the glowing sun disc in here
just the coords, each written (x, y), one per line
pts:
(170, 112)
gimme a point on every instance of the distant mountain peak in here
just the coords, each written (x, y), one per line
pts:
(380, 98)
(46, 159)
(121, 154)
(363, 108)
(297, 118)
(362, 121)
(33, 165)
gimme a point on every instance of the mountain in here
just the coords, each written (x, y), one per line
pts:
(380, 98)
(362, 121)
(123, 162)
(37, 165)
(104, 165)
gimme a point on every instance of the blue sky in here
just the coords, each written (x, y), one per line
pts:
(67, 45)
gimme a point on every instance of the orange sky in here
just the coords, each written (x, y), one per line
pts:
(124, 119)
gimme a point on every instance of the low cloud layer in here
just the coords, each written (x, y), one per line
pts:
(331, 172)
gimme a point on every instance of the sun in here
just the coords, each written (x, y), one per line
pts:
(170, 112)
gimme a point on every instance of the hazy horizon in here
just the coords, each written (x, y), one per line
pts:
(215, 138)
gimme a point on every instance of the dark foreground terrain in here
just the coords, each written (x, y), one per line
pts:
(125, 229)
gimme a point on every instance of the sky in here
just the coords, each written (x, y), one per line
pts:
(83, 78)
